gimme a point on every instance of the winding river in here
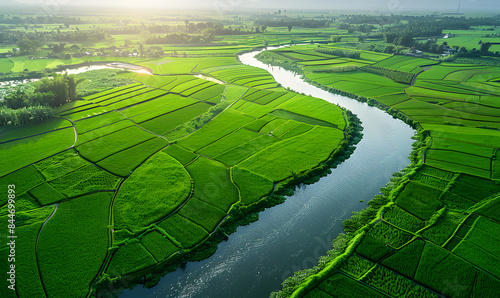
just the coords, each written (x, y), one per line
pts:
(292, 236)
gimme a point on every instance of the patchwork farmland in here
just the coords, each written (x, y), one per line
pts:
(119, 176)
(159, 166)
(427, 236)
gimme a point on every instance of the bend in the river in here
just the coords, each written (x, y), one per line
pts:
(292, 236)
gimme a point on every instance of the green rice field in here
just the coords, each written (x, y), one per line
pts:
(126, 184)
(434, 227)
(113, 150)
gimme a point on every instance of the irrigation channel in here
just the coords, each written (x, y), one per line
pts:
(291, 236)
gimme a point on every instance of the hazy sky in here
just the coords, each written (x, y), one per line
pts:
(392, 6)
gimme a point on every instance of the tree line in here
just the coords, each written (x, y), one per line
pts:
(28, 106)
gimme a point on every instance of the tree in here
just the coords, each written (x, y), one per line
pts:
(144, 36)
(289, 28)
(485, 46)
(63, 89)
(336, 38)
(404, 40)
(141, 49)
(26, 45)
(16, 100)
(58, 48)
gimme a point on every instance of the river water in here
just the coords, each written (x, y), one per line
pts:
(291, 236)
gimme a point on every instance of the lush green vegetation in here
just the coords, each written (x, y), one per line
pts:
(424, 225)
(77, 250)
(164, 165)
(150, 193)
(161, 165)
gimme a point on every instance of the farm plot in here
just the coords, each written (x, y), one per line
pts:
(211, 94)
(212, 183)
(222, 125)
(74, 250)
(340, 285)
(197, 88)
(45, 194)
(228, 142)
(30, 130)
(419, 200)
(165, 123)
(186, 232)
(78, 115)
(28, 281)
(252, 186)
(389, 234)
(153, 191)
(86, 179)
(404, 63)
(459, 158)
(111, 91)
(182, 155)
(240, 72)
(394, 284)
(6, 65)
(14, 156)
(203, 214)
(135, 99)
(159, 245)
(468, 148)
(181, 79)
(356, 266)
(156, 107)
(123, 162)
(85, 125)
(100, 148)
(313, 108)
(484, 236)
(399, 217)
(272, 125)
(24, 179)
(60, 164)
(186, 87)
(253, 109)
(103, 131)
(275, 162)
(154, 81)
(405, 260)
(245, 150)
(130, 257)
(67, 107)
(444, 228)
(121, 93)
(437, 266)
